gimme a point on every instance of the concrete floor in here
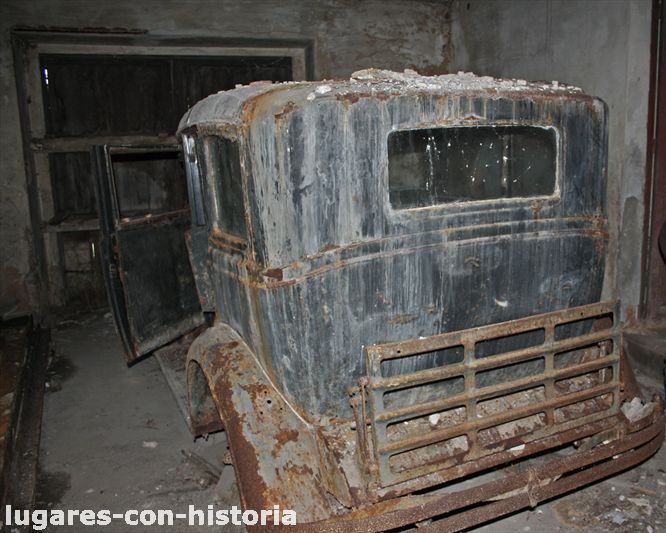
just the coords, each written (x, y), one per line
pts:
(113, 438)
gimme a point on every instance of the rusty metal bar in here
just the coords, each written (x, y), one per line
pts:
(394, 350)
(549, 368)
(470, 403)
(423, 377)
(570, 433)
(536, 494)
(540, 444)
(633, 448)
(491, 392)
(484, 423)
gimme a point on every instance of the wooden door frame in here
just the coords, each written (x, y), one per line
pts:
(652, 310)
(28, 45)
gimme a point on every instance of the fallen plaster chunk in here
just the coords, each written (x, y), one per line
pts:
(643, 503)
(636, 409)
(410, 79)
(618, 517)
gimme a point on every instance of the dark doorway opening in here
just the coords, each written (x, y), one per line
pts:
(121, 99)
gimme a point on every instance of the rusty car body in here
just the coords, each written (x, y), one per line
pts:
(407, 278)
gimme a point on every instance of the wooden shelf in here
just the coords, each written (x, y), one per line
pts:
(83, 144)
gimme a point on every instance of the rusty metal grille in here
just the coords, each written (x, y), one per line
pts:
(440, 401)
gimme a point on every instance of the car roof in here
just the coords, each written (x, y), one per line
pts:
(239, 106)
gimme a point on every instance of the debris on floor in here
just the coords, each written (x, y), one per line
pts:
(636, 409)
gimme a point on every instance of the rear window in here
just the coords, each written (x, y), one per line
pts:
(469, 163)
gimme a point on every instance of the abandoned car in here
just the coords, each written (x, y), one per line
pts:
(407, 278)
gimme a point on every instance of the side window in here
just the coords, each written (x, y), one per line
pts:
(225, 158)
(436, 166)
(148, 181)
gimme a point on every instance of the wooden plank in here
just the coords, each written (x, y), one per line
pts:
(83, 144)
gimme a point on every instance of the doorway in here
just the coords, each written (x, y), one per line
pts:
(87, 90)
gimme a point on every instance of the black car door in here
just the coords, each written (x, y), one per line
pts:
(144, 217)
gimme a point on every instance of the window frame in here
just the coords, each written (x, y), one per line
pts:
(481, 204)
(212, 178)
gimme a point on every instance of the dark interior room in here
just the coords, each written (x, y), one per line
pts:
(333, 265)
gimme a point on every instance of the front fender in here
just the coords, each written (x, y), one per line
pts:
(274, 450)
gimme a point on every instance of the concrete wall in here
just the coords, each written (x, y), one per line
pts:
(348, 35)
(602, 46)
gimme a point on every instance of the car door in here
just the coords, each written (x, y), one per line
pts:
(144, 216)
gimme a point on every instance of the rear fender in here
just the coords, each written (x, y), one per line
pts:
(274, 450)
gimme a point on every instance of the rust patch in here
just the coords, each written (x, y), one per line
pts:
(243, 456)
(282, 437)
(403, 319)
(382, 298)
(631, 313)
(328, 248)
(256, 391)
(348, 98)
(289, 108)
(473, 260)
(289, 435)
(275, 273)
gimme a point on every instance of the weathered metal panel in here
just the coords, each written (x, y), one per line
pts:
(320, 177)
(321, 218)
(317, 339)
